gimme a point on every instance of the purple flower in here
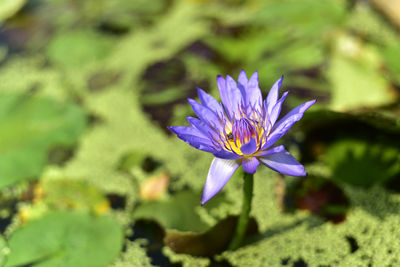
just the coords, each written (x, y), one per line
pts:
(241, 130)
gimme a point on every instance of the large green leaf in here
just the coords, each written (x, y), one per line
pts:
(355, 76)
(66, 239)
(29, 127)
(362, 163)
(356, 85)
(9, 7)
(391, 55)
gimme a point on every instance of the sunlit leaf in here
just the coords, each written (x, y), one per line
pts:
(391, 55)
(9, 7)
(29, 127)
(355, 77)
(66, 239)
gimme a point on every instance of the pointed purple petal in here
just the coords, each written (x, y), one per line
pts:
(186, 130)
(250, 165)
(250, 147)
(242, 84)
(273, 116)
(205, 114)
(223, 154)
(296, 113)
(284, 163)
(198, 142)
(209, 101)
(203, 127)
(242, 80)
(194, 138)
(270, 151)
(284, 124)
(234, 95)
(273, 94)
(253, 93)
(220, 172)
(223, 92)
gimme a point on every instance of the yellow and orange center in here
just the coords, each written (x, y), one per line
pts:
(240, 132)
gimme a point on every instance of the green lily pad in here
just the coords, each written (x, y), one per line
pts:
(362, 163)
(355, 76)
(8, 8)
(66, 239)
(77, 48)
(356, 85)
(359, 149)
(391, 55)
(29, 127)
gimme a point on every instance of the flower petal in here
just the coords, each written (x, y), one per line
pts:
(296, 113)
(242, 83)
(273, 116)
(223, 92)
(223, 154)
(235, 97)
(210, 102)
(284, 163)
(202, 127)
(179, 130)
(205, 114)
(194, 138)
(250, 165)
(221, 170)
(253, 93)
(273, 94)
(284, 124)
(270, 151)
(199, 143)
(250, 147)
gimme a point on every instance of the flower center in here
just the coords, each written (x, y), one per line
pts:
(243, 130)
(240, 132)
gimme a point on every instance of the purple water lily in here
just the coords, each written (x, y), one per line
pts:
(241, 130)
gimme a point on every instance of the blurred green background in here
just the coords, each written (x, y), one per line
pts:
(90, 176)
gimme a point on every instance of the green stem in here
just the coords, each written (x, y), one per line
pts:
(243, 221)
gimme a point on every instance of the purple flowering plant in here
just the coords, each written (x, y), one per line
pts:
(241, 131)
